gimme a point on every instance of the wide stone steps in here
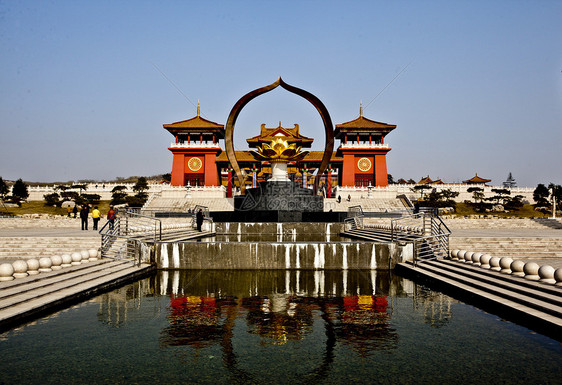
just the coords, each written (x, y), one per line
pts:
(176, 235)
(24, 298)
(377, 235)
(535, 304)
(34, 247)
(516, 246)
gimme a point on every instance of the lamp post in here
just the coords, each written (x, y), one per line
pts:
(553, 195)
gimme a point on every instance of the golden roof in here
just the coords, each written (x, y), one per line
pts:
(291, 135)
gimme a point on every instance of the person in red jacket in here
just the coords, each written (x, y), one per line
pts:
(111, 217)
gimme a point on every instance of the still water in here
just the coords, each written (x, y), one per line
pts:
(222, 327)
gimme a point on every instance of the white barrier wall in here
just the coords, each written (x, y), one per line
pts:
(389, 192)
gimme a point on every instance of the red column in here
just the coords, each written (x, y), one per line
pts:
(329, 184)
(381, 176)
(178, 170)
(229, 185)
(348, 170)
(211, 174)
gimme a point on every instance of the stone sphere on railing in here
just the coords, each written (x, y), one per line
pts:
(460, 255)
(45, 264)
(20, 269)
(66, 260)
(57, 262)
(85, 256)
(468, 256)
(495, 264)
(505, 264)
(32, 266)
(546, 274)
(93, 255)
(76, 258)
(485, 261)
(6, 272)
(454, 253)
(517, 268)
(558, 276)
(476, 259)
(531, 270)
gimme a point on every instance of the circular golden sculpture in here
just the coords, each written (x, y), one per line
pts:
(194, 164)
(279, 150)
(231, 122)
(364, 164)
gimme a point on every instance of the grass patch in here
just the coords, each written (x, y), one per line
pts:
(38, 207)
(526, 211)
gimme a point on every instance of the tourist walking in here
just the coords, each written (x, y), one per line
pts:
(75, 210)
(199, 219)
(96, 214)
(84, 216)
(111, 217)
(69, 210)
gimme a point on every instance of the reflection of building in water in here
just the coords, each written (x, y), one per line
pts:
(114, 306)
(363, 322)
(359, 321)
(436, 306)
(196, 321)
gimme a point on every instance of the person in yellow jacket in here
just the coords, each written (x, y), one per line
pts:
(96, 214)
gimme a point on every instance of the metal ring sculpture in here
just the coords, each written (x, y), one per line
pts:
(241, 103)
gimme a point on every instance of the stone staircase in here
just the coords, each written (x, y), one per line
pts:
(368, 204)
(12, 248)
(534, 304)
(501, 223)
(25, 298)
(184, 204)
(528, 247)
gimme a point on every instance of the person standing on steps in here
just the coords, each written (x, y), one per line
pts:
(111, 217)
(96, 214)
(84, 216)
(199, 218)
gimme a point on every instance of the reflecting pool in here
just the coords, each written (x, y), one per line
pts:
(280, 327)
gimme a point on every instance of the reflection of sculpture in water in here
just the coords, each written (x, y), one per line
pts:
(278, 318)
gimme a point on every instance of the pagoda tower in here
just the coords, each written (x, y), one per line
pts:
(364, 152)
(195, 149)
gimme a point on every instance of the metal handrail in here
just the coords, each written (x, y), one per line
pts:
(435, 234)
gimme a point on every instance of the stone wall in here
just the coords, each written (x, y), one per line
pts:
(280, 254)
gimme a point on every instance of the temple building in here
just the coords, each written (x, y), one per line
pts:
(359, 159)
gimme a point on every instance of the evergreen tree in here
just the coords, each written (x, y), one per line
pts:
(141, 185)
(540, 195)
(20, 190)
(4, 189)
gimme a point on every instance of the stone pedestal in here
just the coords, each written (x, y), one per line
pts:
(287, 198)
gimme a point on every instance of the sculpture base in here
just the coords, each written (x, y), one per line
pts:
(279, 196)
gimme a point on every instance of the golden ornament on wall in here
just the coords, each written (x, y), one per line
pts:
(364, 164)
(195, 164)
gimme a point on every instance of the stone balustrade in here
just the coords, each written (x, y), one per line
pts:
(506, 265)
(194, 145)
(34, 266)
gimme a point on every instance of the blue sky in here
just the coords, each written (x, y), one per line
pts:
(86, 86)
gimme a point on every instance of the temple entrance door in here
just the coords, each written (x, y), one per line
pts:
(363, 180)
(194, 180)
